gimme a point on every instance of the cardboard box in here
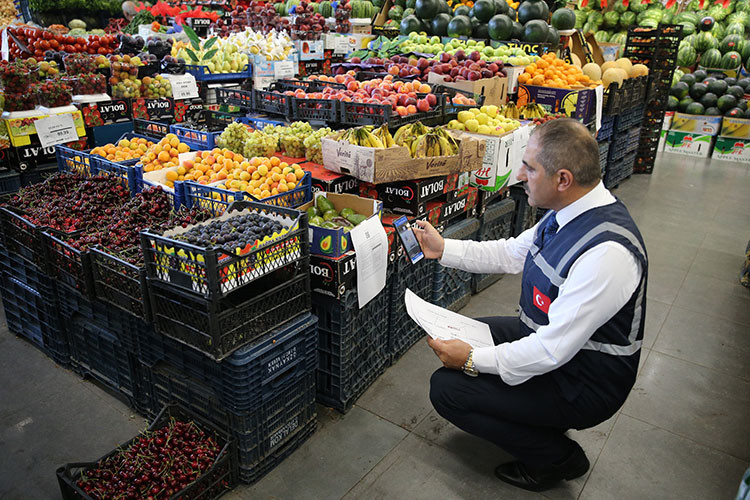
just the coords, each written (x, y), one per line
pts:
(333, 276)
(735, 128)
(448, 210)
(310, 50)
(514, 155)
(396, 164)
(575, 103)
(361, 26)
(727, 148)
(499, 174)
(494, 90)
(665, 129)
(335, 242)
(409, 197)
(685, 143)
(104, 113)
(22, 131)
(512, 73)
(264, 67)
(456, 185)
(161, 109)
(188, 110)
(331, 182)
(696, 124)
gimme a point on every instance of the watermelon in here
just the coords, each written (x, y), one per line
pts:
(688, 78)
(601, 36)
(726, 102)
(731, 43)
(461, 10)
(747, 113)
(627, 19)
(326, 9)
(686, 56)
(396, 13)
(410, 24)
(718, 31)
(745, 52)
(581, 17)
(565, 19)
(677, 76)
(689, 39)
(459, 26)
(744, 83)
(729, 80)
(533, 9)
(400, 3)
(480, 31)
(501, 7)
(742, 18)
(709, 100)
(637, 7)
(426, 9)
(672, 103)
(620, 7)
(619, 38)
(517, 31)
(500, 27)
(713, 111)
(679, 90)
(703, 41)
(611, 19)
(742, 6)
(535, 31)
(688, 28)
(649, 23)
(731, 60)
(698, 90)
(699, 74)
(711, 58)
(743, 105)
(718, 87)
(411, 4)
(683, 104)
(408, 12)
(512, 14)
(553, 37)
(654, 14)
(667, 17)
(484, 10)
(735, 113)
(695, 108)
(737, 91)
(439, 25)
(690, 17)
(595, 19)
(717, 12)
(735, 29)
(444, 8)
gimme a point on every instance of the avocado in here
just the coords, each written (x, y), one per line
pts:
(330, 214)
(356, 219)
(323, 204)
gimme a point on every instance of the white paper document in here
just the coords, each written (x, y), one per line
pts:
(371, 244)
(440, 323)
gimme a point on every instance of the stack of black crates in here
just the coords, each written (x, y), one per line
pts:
(657, 49)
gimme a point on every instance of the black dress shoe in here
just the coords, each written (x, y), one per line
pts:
(534, 479)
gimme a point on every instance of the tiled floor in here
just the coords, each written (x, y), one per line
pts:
(683, 433)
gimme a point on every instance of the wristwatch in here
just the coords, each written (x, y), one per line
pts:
(468, 367)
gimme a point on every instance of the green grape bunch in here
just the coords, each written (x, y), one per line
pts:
(313, 145)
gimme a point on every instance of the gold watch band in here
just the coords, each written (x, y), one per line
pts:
(468, 367)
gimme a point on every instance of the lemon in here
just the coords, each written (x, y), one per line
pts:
(482, 119)
(463, 116)
(471, 125)
(485, 130)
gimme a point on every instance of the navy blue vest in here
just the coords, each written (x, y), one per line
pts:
(608, 362)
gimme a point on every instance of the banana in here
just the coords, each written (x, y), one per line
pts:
(373, 140)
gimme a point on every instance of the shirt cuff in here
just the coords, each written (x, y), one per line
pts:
(484, 360)
(453, 253)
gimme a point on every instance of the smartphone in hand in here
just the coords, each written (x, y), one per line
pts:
(409, 239)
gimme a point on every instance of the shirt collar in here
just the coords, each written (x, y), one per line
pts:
(597, 197)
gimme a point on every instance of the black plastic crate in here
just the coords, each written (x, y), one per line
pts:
(10, 182)
(359, 113)
(215, 272)
(39, 174)
(252, 374)
(29, 274)
(67, 264)
(272, 102)
(221, 477)
(315, 110)
(22, 237)
(120, 283)
(219, 326)
(525, 215)
(235, 97)
(151, 129)
(403, 332)
(603, 155)
(352, 346)
(619, 171)
(495, 224)
(259, 434)
(448, 93)
(607, 128)
(29, 315)
(451, 288)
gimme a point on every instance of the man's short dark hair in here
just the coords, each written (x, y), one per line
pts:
(566, 143)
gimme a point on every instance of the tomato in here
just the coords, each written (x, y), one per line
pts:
(47, 35)
(69, 49)
(102, 51)
(54, 44)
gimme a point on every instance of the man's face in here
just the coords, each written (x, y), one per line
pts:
(540, 188)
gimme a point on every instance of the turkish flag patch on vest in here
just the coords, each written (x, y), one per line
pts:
(541, 301)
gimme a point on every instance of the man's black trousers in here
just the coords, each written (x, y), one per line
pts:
(528, 420)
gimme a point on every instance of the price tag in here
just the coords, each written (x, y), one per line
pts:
(283, 69)
(330, 41)
(56, 129)
(342, 45)
(183, 86)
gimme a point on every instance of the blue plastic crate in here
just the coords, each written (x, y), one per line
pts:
(451, 288)
(495, 224)
(607, 128)
(29, 314)
(176, 195)
(120, 283)
(10, 182)
(315, 110)
(203, 74)
(74, 161)
(150, 129)
(261, 435)
(250, 375)
(404, 332)
(260, 121)
(272, 102)
(352, 346)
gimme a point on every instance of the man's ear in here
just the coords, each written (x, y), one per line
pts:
(565, 179)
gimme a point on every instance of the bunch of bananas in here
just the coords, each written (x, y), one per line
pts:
(510, 110)
(365, 136)
(423, 141)
(532, 110)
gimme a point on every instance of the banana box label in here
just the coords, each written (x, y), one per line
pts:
(696, 124)
(735, 128)
(580, 104)
(728, 148)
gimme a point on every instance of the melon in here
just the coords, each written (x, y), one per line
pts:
(609, 65)
(612, 75)
(638, 70)
(576, 60)
(593, 71)
(624, 63)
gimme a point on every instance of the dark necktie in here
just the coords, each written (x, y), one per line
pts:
(547, 232)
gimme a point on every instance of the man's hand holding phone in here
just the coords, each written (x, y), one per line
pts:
(429, 239)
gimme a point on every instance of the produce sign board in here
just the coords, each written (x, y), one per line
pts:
(575, 103)
(735, 128)
(310, 50)
(396, 164)
(335, 242)
(96, 114)
(727, 148)
(20, 130)
(696, 124)
(331, 182)
(333, 275)
(494, 90)
(685, 143)
(531, 48)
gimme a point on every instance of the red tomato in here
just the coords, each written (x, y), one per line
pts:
(47, 35)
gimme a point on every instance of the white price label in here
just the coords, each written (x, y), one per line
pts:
(56, 129)
(283, 69)
(342, 45)
(183, 86)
